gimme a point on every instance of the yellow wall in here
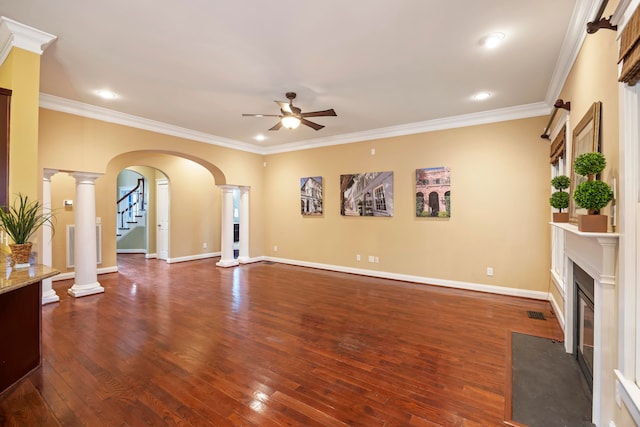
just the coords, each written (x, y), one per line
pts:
(73, 143)
(499, 208)
(21, 73)
(594, 77)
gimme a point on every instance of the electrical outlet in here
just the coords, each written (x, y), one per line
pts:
(489, 271)
(376, 260)
(204, 245)
(372, 258)
(358, 257)
(275, 248)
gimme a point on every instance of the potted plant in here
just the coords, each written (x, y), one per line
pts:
(560, 199)
(20, 221)
(592, 194)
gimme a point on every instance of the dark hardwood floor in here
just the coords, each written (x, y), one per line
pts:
(269, 345)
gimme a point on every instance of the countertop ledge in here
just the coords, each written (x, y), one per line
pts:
(15, 278)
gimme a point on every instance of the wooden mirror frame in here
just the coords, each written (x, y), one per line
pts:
(586, 139)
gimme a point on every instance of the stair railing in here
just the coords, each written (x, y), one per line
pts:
(130, 205)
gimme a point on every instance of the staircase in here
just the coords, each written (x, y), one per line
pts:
(131, 210)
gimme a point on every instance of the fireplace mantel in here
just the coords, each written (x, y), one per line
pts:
(596, 254)
(593, 252)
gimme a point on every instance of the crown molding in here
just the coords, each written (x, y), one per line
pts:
(51, 102)
(63, 105)
(583, 11)
(485, 117)
(15, 34)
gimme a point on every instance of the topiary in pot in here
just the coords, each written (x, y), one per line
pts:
(592, 194)
(560, 199)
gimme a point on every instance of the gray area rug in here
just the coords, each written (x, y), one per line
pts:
(548, 388)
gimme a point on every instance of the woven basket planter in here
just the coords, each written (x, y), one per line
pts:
(21, 253)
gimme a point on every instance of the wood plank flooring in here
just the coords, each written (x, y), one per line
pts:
(191, 344)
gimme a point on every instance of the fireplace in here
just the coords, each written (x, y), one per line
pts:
(589, 304)
(584, 322)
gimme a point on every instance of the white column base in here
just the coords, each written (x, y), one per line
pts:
(48, 294)
(50, 297)
(227, 263)
(244, 260)
(84, 290)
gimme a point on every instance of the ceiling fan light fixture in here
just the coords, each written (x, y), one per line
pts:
(290, 122)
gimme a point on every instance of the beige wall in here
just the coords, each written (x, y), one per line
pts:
(194, 169)
(499, 207)
(594, 77)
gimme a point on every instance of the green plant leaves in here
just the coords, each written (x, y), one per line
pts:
(559, 200)
(589, 164)
(560, 182)
(592, 195)
(23, 218)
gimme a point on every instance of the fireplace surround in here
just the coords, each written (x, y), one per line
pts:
(595, 257)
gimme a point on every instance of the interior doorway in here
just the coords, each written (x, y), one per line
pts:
(162, 219)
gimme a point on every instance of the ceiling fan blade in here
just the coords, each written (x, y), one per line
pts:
(319, 113)
(316, 126)
(276, 126)
(284, 106)
(260, 115)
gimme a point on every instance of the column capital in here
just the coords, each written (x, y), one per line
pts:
(227, 188)
(48, 173)
(85, 176)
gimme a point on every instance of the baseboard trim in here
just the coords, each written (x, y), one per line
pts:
(193, 257)
(149, 256)
(131, 251)
(480, 287)
(72, 274)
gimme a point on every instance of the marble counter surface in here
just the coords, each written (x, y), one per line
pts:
(15, 278)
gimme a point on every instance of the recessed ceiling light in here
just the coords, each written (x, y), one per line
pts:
(106, 94)
(481, 96)
(492, 40)
(260, 137)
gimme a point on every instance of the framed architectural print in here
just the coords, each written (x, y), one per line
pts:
(433, 192)
(366, 194)
(586, 139)
(311, 196)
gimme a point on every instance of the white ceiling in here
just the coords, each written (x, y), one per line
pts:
(385, 67)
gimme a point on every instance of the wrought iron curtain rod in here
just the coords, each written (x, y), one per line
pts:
(558, 104)
(600, 22)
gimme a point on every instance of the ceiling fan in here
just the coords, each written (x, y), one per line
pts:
(291, 116)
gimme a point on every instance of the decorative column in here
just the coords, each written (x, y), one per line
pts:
(226, 234)
(85, 254)
(48, 294)
(243, 254)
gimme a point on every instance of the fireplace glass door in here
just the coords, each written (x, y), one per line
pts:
(585, 335)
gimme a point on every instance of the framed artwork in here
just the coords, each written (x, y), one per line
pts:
(433, 192)
(311, 196)
(586, 139)
(366, 194)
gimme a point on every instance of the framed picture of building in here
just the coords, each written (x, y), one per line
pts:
(433, 192)
(366, 194)
(311, 195)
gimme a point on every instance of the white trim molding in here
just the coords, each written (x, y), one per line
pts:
(193, 257)
(480, 287)
(15, 34)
